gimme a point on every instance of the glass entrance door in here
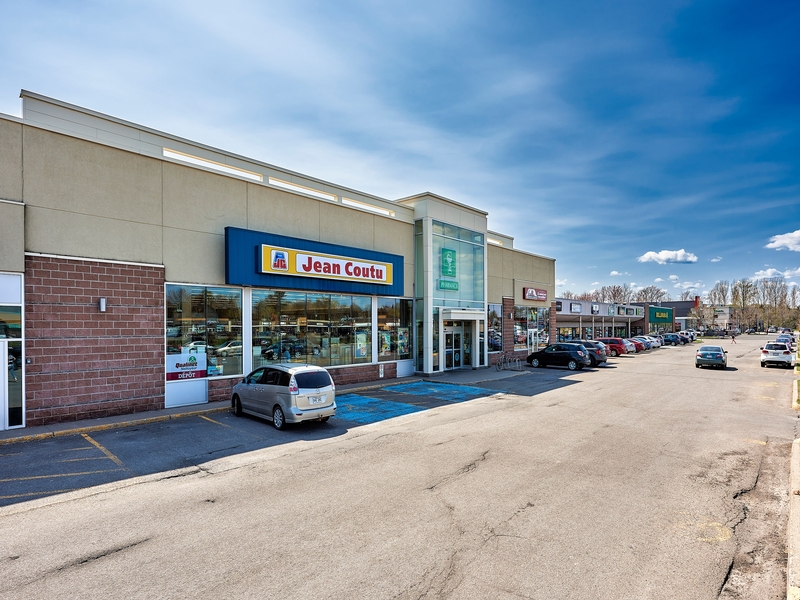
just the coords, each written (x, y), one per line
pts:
(453, 348)
(11, 384)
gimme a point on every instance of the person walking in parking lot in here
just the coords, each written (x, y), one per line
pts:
(733, 337)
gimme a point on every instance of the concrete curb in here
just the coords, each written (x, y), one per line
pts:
(105, 426)
(793, 533)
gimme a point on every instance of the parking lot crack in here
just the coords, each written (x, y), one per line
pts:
(466, 469)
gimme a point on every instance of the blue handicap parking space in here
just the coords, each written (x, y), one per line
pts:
(363, 409)
(443, 391)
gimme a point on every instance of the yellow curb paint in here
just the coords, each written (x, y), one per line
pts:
(102, 449)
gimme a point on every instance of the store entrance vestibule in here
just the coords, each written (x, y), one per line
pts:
(457, 345)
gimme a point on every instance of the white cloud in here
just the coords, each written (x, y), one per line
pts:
(595, 283)
(791, 273)
(617, 273)
(673, 278)
(657, 280)
(687, 285)
(717, 259)
(668, 256)
(765, 273)
(789, 241)
(561, 282)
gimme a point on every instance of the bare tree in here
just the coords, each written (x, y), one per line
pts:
(687, 295)
(652, 293)
(568, 295)
(619, 294)
(720, 294)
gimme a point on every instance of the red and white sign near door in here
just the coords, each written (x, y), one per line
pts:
(534, 294)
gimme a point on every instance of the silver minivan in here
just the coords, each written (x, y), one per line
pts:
(286, 393)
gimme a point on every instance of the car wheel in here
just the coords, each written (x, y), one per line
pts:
(674, 343)
(592, 362)
(297, 354)
(696, 366)
(237, 406)
(614, 353)
(572, 365)
(763, 364)
(278, 419)
(535, 363)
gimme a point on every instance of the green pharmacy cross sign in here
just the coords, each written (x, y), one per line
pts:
(448, 262)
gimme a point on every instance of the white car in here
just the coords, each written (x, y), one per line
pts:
(690, 334)
(777, 353)
(655, 341)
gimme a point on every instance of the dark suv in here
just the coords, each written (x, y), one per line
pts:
(597, 351)
(572, 356)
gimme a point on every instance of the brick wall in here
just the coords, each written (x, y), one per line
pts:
(84, 363)
(362, 373)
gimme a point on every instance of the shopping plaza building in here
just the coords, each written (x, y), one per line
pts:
(140, 270)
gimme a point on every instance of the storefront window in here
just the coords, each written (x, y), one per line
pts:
(394, 329)
(458, 257)
(362, 322)
(494, 319)
(11, 330)
(203, 332)
(533, 323)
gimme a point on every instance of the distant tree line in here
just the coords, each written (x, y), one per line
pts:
(757, 303)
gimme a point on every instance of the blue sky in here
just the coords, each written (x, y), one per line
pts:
(635, 142)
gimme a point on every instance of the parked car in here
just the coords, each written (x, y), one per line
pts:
(776, 353)
(630, 346)
(750, 330)
(597, 351)
(647, 343)
(771, 330)
(278, 351)
(673, 339)
(659, 341)
(786, 339)
(614, 346)
(637, 345)
(572, 356)
(286, 394)
(711, 356)
(688, 334)
(231, 347)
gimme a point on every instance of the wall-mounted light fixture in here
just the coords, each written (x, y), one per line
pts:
(102, 304)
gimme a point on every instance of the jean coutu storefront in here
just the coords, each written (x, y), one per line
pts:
(142, 270)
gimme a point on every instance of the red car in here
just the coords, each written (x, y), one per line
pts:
(614, 346)
(640, 347)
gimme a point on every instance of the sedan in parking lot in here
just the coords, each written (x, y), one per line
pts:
(614, 346)
(777, 353)
(286, 393)
(673, 339)
(637, 345)
(711, 356)
(572, 356)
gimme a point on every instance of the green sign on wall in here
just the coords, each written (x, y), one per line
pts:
(448, 262)
(660, 314)
(448, 285)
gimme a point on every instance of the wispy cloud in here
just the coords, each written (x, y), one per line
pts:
(595, 283)
(673, 278)
(716, 259)
(668, 256)
(657, 280)
(617, 273)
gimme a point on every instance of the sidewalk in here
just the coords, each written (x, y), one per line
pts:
(28, 434)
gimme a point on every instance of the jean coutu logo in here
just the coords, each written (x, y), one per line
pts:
(280, 260)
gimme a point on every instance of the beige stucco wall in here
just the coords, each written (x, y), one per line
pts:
(86, 199)
(12, 236)
(510, 270)
(10, 160)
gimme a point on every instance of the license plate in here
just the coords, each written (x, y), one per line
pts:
(316, 399)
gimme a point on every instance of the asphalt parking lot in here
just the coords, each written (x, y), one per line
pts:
(43, 467)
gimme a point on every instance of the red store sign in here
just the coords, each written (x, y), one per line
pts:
(534, 294)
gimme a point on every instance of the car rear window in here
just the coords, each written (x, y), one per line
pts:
(775, 346)
(313, 379)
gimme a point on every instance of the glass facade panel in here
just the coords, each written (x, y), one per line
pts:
(362, 324)
(458, 266)
(394, 329)
(207, 322)
(318, 329)
(494, 319)
(535, 320)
